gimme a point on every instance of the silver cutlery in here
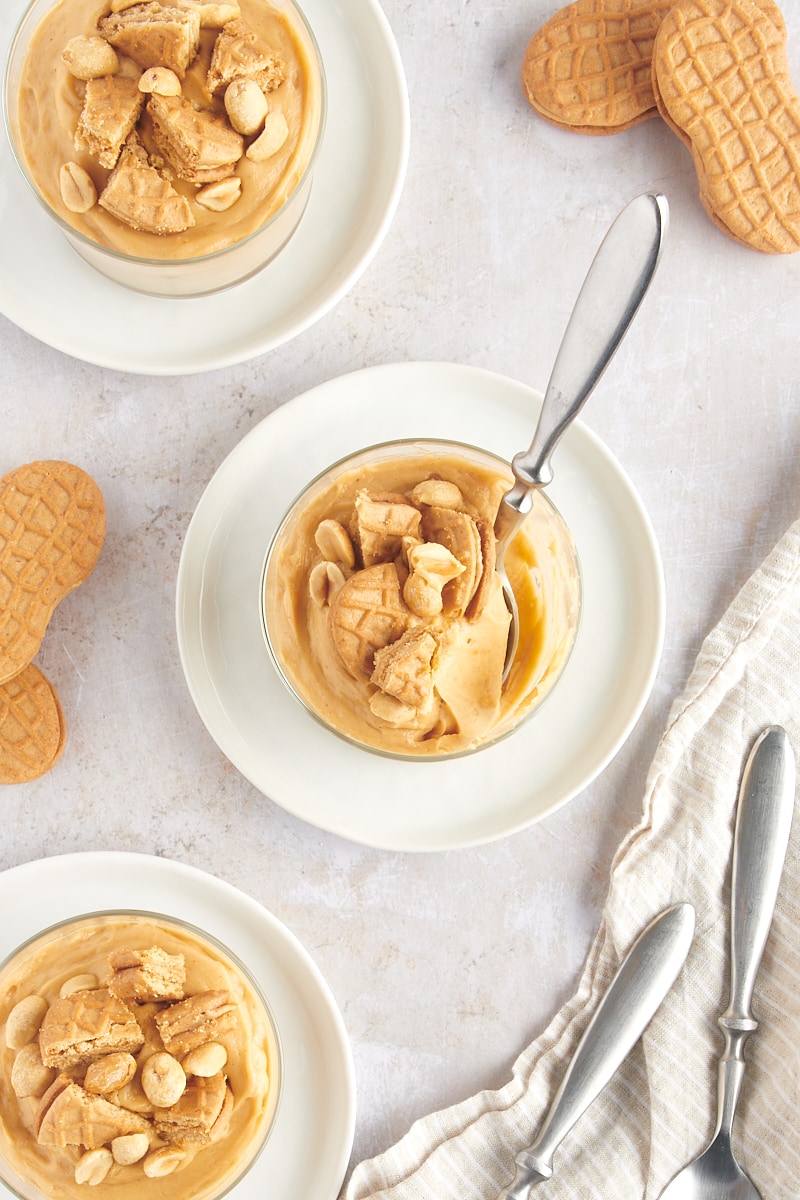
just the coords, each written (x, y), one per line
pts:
(763, 821)
(642, 981)
(615, 285)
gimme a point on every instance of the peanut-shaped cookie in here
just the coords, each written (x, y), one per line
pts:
(588, 67)
(722, 84)
(52, 526)
(32, 729)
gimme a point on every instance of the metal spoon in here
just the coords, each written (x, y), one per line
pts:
(763, 821)
(607, 303)
(642, 981)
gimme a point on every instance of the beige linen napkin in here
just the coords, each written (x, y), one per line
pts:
(659, 1110)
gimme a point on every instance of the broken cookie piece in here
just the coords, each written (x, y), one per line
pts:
(81, 1027)
(154, 35)
(199, 147)
(71, 1116)
(194, 1021)
(366, 614)
(139, 195)
(238, 54)
(146, 975)
(193, 1116)
(382, 521)
(403, 669)
(111, 108)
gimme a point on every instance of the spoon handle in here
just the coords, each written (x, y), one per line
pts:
(607, 303)
(633, 996)
(763, 820)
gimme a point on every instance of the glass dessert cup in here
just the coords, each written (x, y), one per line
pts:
(224, 248)
(310, 590)
(71, 956)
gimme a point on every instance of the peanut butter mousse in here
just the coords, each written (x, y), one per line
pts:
(385, 613)
(167, 130)
(136, 1059)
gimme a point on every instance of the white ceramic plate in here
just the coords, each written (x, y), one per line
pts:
(47, 290)
(308, 1150)
(394, 804)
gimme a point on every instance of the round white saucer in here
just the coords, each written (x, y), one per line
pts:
(389, 803)
(308, 1150)
(49, 291)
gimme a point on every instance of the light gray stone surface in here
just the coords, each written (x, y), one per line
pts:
(444, 965)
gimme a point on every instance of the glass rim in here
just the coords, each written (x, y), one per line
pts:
(163, 264)
(341, 464)
(179, 923)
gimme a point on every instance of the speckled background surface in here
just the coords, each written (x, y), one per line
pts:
(444, 965)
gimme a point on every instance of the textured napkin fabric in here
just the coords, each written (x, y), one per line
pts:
(659, 1110)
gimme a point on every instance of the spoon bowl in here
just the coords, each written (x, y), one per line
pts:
(714, 1175)
(615, 285)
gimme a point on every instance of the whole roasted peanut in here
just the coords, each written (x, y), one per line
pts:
(439, 493)
(110, 1073)
(29, 1075)
(334, 542)
(90, 57)
(129, 1148)
(93, 1166)
(161, 81)
(24, 1020)
(163, 1162)
(163, 1079)
(77, 983)
(205, 1060)
(221, 195)
(246, 105)
(271, 138)
(77, 188)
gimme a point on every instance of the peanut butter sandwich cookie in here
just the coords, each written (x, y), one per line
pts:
(722, 84)
(32, 729)
(52, 527)
(589, 67)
